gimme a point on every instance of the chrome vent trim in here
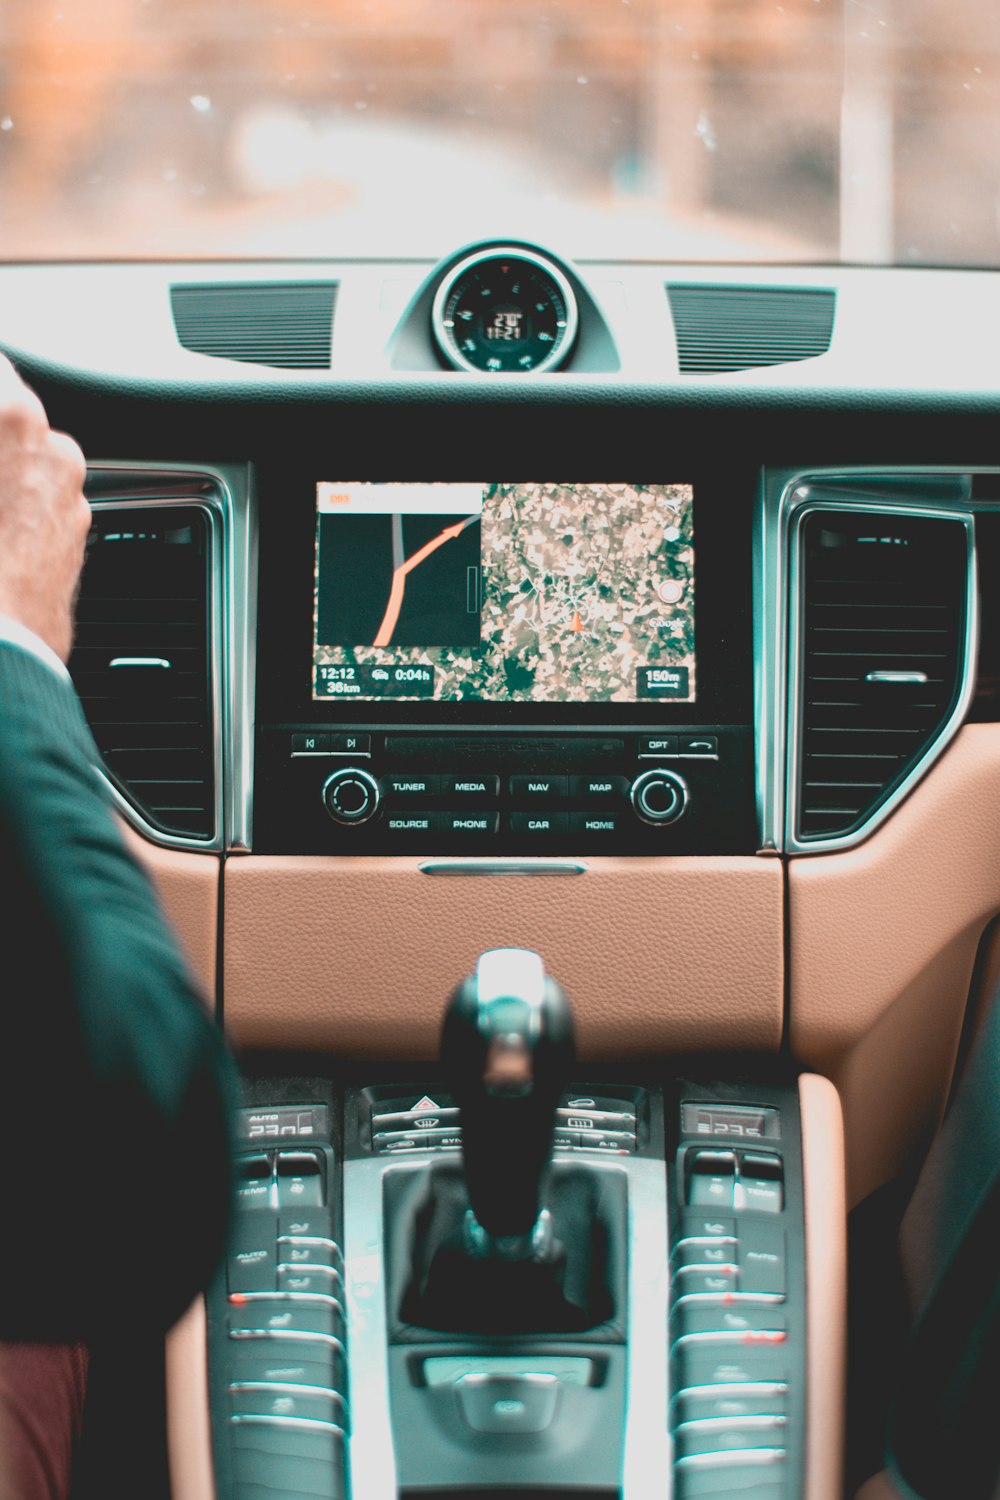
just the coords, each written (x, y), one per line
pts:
(224, 494)
(723, 329)
(840, 492)
(147, 589)
(287, 325)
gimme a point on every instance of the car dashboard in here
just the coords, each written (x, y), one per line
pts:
(713, 729)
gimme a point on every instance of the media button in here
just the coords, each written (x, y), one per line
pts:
(541, 786)
(598, 788)
(540, 823)
(484, 787)
(408, 788)
(468, 822)
(598, 822)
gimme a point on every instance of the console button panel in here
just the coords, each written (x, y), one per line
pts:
(411, 1123)
(737, 1314)
(277, 1322)
(495, 793)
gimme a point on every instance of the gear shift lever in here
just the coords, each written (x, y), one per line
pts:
(507, 1048)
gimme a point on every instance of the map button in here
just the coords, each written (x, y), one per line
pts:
(598, 788)
(539, 786)
(486, 787)
(539, 823)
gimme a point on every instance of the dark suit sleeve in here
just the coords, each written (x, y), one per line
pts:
(116, 1090)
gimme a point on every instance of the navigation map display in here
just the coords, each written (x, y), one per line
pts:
(543, 593)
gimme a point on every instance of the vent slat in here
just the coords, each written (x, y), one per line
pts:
(286, 325)
(880, 592)
(145, 593)
(722, 329)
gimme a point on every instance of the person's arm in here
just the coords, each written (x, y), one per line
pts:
(116, 1090)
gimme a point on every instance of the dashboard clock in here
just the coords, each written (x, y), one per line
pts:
(505, 310)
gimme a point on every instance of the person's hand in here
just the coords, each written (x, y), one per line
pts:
(44, 517)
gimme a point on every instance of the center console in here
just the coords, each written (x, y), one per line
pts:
(503, 669)
(503, 1277)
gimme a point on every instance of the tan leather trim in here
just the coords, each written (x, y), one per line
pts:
(882, 943)
(188, 884)
(359, 955)
(879, 1487)
(826, 1284)
(189, 1427)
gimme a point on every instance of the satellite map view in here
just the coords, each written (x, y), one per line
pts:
(505, 592)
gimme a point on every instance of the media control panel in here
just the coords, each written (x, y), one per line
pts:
(365, 790)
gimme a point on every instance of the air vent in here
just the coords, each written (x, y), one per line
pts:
(285, 324)
(721, 329)
(141, 663)
(883, 606)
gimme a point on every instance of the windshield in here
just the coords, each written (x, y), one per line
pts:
(669, 129)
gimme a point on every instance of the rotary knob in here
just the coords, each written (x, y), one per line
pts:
(659, 796)
(351, 795)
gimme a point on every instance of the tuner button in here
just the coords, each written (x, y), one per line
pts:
(659, 796)
(351, 795)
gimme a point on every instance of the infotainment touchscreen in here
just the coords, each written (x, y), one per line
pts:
(554, 593)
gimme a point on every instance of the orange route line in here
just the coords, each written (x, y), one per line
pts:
(391, 616)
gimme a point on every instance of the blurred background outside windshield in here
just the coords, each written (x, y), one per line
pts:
(669, 129)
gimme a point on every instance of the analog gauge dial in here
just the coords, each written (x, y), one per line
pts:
(507, 311)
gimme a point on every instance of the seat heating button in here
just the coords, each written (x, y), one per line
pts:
(508, 1403)
(285, 1313)
(694, 1281)
(706, 1251)
(310, 1279)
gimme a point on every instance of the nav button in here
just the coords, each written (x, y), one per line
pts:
(541, 786)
